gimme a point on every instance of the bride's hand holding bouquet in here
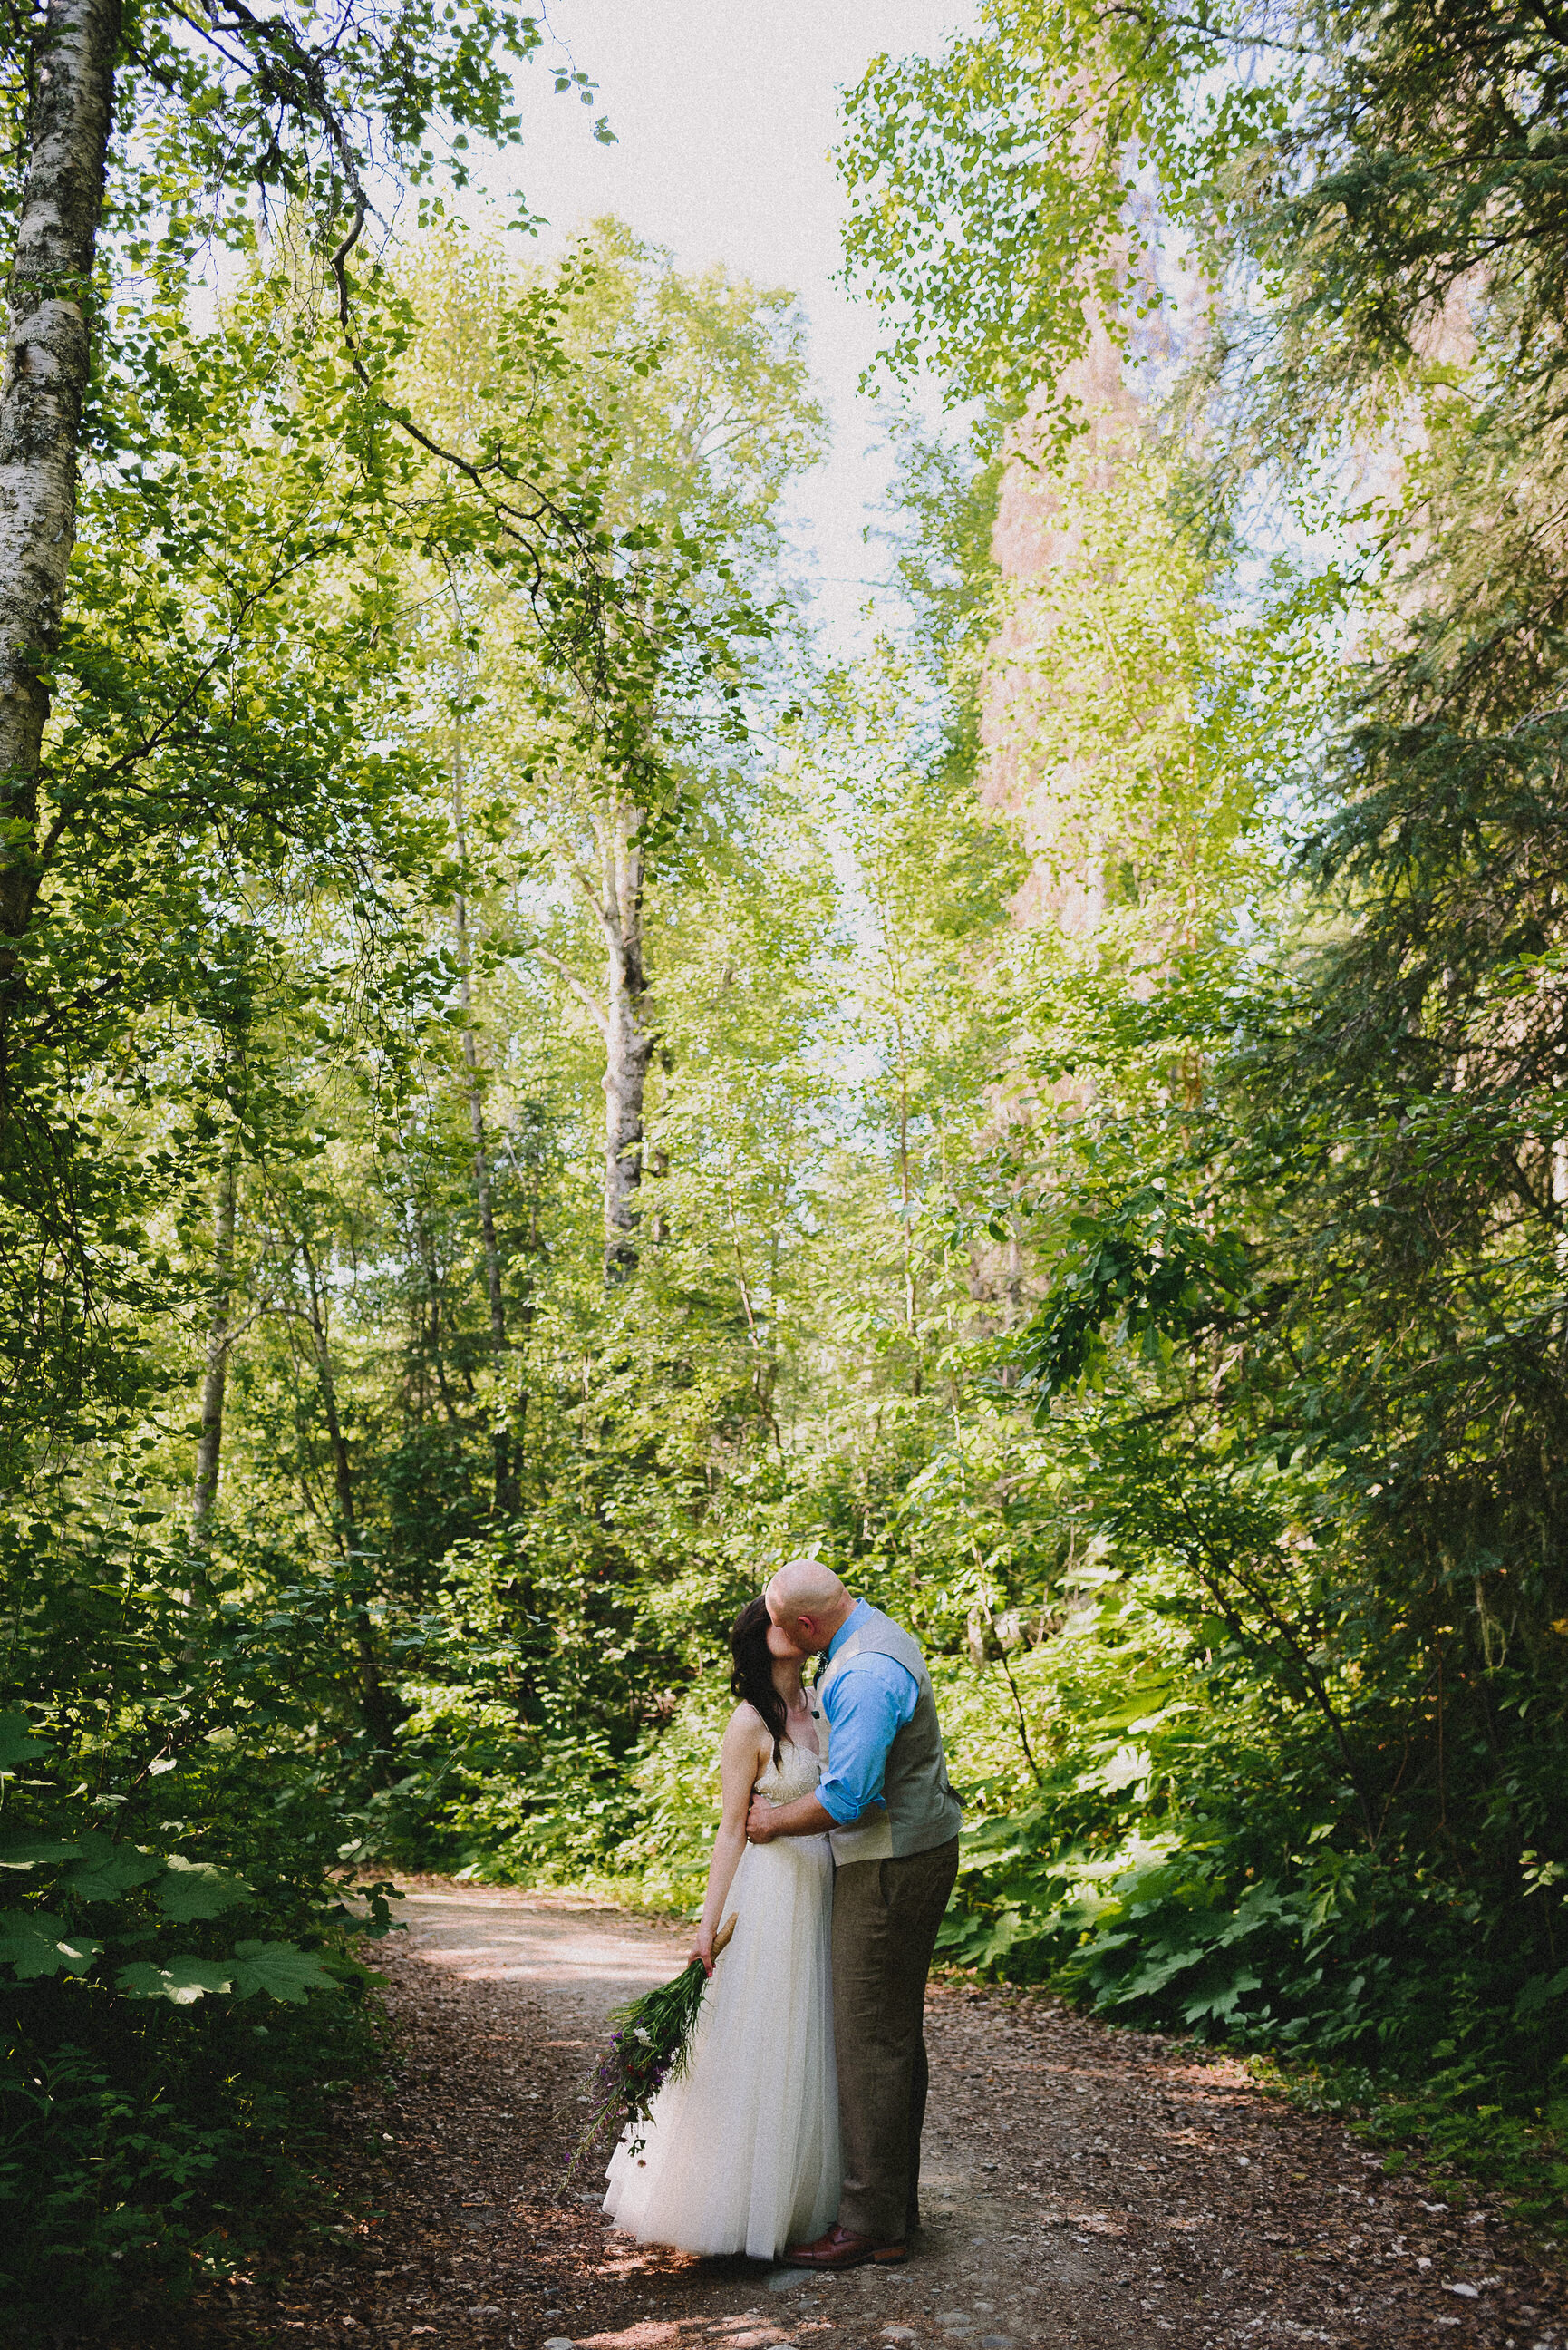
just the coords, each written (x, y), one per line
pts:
(702, 1947)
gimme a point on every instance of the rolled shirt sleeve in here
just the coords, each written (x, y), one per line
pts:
(866, 1705)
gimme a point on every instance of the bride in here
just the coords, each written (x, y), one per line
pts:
(740, 2154)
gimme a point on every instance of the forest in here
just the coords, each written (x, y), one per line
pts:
(535, 1083)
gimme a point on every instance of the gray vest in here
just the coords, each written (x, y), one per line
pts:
(921, 1809)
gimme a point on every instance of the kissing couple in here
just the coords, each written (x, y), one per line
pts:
(796, 2124)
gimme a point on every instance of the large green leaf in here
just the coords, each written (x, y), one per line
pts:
(196, 1888)
(33, 1852)
(109, 1869)
(182, 1981)
(280, 1969)
(1158, 1971)
(1221, 2003)
(34, 1943)
(18, 1743)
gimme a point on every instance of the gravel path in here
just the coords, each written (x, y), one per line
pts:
(1083, 2188)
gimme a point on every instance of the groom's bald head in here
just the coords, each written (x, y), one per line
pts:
(808, 1602)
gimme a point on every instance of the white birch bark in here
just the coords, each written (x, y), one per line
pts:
(628, 1043)
(47, 355)
(508, 1495)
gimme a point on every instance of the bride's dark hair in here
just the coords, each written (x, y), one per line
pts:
(751, 1674)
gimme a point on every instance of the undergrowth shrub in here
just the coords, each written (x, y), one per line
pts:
(179, 1997)
(1195, 1859)
(155, 2150)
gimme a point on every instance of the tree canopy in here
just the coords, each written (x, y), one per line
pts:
(535, 1084)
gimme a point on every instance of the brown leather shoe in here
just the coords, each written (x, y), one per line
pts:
(839, 2249)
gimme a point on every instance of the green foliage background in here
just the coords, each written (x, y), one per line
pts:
(1104, 1179)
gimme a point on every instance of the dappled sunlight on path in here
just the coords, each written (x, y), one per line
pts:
(1085, 2190)
(486, 1935)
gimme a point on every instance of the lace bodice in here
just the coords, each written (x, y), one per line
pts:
(795, 1775)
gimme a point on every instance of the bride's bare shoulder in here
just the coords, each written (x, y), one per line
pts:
(745, 1728)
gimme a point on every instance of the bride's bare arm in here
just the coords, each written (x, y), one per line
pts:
(742, 1756)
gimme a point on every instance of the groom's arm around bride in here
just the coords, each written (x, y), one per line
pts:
(893, 1819)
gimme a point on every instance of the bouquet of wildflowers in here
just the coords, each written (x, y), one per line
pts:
(652, 2045)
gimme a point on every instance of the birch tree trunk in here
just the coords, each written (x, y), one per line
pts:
(47, 354)
(628, 1043)
(209, 1443)
(372, 1688)
(508, 1494)
(615, 896)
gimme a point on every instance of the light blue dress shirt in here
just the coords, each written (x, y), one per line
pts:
(869, 1703)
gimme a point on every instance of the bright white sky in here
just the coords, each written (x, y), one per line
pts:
(724, 111)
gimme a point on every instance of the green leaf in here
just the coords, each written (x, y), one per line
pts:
(182, 1981)
(109, 1869)
(353, 1975)
(196, 1888)
(32, 1851)
(34, 1943)
(280, 1969)
(1541, 1992)
(1221, 2004)
(18, 1743)
(1153, 1975)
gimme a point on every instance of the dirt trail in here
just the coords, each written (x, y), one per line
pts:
(1082, 2187)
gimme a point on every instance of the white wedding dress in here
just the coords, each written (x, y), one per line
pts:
(741, 2155)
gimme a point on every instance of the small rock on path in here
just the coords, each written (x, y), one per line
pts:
(1083, 2189)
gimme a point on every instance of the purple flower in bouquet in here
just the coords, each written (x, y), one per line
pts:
(652, 2044)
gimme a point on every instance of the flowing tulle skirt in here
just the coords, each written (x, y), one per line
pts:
(741, 2155)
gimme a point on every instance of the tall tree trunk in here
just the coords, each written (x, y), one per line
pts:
(628, 1044)
(905, 1215)
(508, 1498)
(527, 1143)
(372, 1689)
(209, 1443)
(429, 1322)
(47, 354)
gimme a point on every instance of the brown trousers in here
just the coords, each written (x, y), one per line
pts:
(886, 1914)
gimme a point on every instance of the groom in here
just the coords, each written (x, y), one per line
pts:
(885, 1801)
